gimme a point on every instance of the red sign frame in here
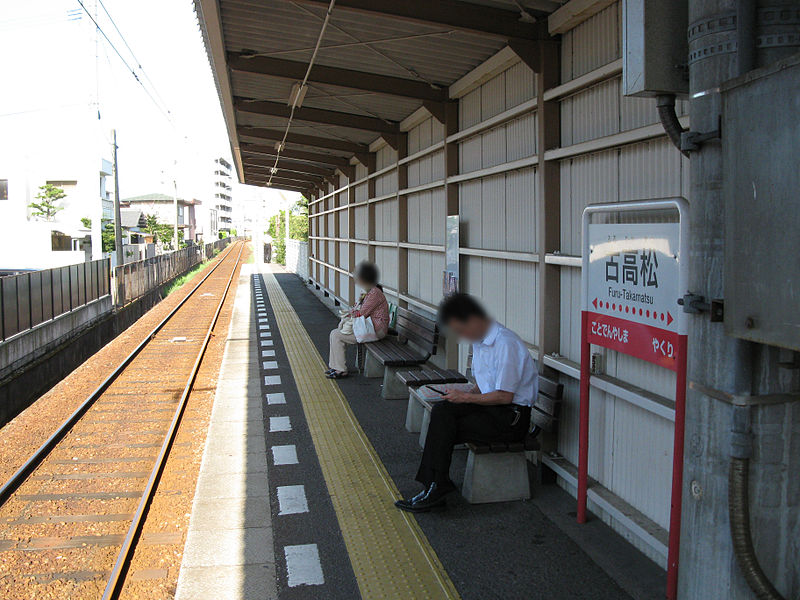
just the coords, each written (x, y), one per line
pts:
(664, 347)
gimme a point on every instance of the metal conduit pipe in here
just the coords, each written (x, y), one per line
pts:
(669, 119)
(739, 507)
(745, 36)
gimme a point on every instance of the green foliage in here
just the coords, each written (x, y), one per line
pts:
(298, 228)
(178, 282)
(109, 237)
(162, 232)
(298, 220)
(277, 229)
(151, 225)
(86, 222)
(48, 196)
(165, 233)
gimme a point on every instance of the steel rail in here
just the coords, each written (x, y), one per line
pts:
(117, 577)
(10, 486)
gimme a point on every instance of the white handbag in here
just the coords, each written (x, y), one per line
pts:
(346, 325)
(364, 330)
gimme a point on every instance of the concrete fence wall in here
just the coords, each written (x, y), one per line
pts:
(297, 258)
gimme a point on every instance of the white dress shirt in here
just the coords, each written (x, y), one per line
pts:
(501, 362)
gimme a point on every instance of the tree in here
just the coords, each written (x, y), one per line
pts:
(298, 220)
(86, 222)
(277, 229)
(48, 196)
(109, 237)
(151, 225)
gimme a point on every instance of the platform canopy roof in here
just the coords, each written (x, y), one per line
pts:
(379, 62)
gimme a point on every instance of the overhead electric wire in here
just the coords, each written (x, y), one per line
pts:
(299, 92)
(166, 114)
(133, 55)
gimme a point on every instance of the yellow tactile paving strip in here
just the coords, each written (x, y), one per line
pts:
(390, 554)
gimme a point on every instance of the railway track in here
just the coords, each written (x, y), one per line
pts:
(99, 471)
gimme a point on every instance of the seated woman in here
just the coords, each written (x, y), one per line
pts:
(372, 304)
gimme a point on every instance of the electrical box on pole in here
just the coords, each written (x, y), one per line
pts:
(655, 48)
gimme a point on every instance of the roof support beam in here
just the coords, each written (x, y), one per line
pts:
(450, 13)
(284, 164)
(277, 182)
(346, 78)
(303, 140)
(281, 174)
(324, 159)
(315, 115)
(528, 52)
(392, 140)
(263, 183)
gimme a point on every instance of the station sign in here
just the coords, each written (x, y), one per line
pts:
(632, 276)
(633, 287)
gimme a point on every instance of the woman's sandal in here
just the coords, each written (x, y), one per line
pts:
(329, 371)
(337, 374)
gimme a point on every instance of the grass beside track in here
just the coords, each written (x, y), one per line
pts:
(181, 281)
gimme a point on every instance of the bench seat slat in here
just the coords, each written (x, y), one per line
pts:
(429, 375)
(392, 353)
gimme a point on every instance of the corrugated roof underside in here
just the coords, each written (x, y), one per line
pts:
(358, 41)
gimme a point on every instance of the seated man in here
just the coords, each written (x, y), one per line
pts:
(498, 409)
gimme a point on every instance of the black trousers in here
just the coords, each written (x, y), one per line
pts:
(453, 424)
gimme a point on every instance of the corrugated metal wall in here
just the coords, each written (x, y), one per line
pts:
(631, 443)
(630, 447)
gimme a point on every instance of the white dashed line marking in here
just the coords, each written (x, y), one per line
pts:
(303, 566)
(285, 455)
(267, 353)
(266, 334)
(279, 424)
(292, 500)
(269, 365)
(263, 327)
(272, 380)
(266, 343)
(278, 398)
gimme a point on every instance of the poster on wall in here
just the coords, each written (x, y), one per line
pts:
(451, 246)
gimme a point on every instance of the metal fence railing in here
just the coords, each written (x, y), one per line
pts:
(134, 280)
(213, 248)
(28, 299)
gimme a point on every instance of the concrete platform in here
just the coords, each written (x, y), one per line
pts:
(229, 550)
(294, 499)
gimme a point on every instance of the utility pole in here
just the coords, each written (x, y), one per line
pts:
(175, 203)
(117, 216)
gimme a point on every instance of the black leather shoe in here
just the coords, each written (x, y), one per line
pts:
(432, 498)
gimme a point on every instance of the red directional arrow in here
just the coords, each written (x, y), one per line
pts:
(594, 302)
(669, 318)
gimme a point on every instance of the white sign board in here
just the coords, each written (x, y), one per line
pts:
(633, 287)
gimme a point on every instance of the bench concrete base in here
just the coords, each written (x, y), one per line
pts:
(496, 477)
(393, 388)
(415, 412)
(372, 366)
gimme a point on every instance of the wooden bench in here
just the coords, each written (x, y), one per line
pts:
(430, 375)
(498, 472)
(416, 341)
